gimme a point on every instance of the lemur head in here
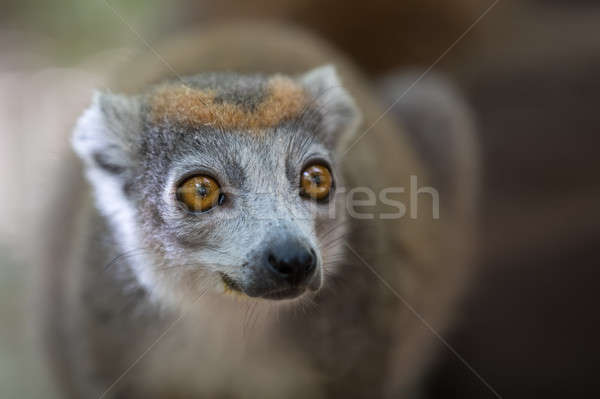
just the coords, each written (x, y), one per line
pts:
(223, 180)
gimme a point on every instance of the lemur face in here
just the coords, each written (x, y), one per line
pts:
(223, 181)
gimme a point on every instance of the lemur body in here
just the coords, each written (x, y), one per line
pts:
(146, 300)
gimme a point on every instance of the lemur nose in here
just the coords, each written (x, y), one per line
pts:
(292, 261)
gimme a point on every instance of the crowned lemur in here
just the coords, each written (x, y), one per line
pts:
(258, 224)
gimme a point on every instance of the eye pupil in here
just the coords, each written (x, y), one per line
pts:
(201, 190)
(317, 179)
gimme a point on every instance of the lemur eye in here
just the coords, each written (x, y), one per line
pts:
(199, 193)
(316, 182)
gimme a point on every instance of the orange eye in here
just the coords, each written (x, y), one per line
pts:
(199, 193)
(316, 182)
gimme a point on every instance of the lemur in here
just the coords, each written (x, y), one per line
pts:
(216, 252)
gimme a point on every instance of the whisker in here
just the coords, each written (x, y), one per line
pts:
(339, 225)
(123, 255)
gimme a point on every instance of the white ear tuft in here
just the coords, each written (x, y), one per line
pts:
(321, 78)
(105, 133)
(339, 111)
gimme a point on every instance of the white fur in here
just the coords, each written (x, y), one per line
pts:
(90, 134)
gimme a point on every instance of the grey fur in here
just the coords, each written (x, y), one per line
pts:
(246, 91)
(132, 260)
(259, 175)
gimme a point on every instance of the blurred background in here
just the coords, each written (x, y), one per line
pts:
(530, 70)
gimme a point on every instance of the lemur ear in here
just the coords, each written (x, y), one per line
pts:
(106, 133)
(340, 114)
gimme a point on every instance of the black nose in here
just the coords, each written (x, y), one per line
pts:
(292, 261)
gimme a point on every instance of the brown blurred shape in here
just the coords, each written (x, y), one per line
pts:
(378, 34)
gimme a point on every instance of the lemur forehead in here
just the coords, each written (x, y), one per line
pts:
(250, 109)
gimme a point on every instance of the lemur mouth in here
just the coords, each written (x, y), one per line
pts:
(230, 284)
(286, 293)
(289, 292)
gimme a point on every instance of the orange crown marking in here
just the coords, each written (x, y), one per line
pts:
(284, 100)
